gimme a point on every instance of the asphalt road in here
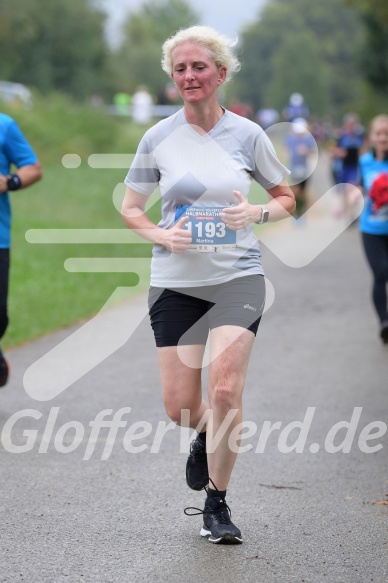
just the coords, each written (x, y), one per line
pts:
(316, 516)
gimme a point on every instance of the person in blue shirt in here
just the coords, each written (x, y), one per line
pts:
(300, 146)
(374, 218)
(19, 168)
(346, 154)
(295, 108)
(350, 143)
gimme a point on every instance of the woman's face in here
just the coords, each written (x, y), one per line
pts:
(195, 73)
(379, 136)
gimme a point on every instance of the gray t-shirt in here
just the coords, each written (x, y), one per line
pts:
(196, 175)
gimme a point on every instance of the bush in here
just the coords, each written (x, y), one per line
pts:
(56, 125)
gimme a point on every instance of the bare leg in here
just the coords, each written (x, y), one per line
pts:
(227, 374)
(181, 384)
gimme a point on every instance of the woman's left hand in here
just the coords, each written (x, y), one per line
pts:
(241, 215)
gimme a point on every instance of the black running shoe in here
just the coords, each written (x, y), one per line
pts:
(4, 370)
(197, 474)
(384, 332)
(217, 525)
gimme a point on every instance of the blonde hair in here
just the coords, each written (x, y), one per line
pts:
(382, 118)
(218, 46)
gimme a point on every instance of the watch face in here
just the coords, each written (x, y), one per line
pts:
(265, 215)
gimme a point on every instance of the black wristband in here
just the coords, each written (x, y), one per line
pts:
(14, 182)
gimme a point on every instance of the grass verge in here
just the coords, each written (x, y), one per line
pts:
(43, 295)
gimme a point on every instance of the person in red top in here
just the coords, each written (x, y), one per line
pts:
(374, 218)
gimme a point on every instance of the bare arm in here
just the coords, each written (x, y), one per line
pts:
(282, 204)
(177, 239)
(28, 175)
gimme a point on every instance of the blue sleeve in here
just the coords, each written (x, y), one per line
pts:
(16, 147)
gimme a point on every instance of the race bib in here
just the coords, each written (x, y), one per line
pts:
(381, 214)
(210, 233)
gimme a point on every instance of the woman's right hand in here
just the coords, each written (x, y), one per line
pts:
(177, 239)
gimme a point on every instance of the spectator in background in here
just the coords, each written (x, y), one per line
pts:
(142, 106)
(335, 161)
(267, 116)
(374, 217)
(321, 129)
(14, 150)
(122, 101)
(171, 93)
(241, 108)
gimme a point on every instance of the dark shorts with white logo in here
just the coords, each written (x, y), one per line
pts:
(185, 315)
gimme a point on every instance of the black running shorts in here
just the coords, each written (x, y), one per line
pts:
(185, 315)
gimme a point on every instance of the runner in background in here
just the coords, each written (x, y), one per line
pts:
(296, 108)
(345, 155)
(206, 273)
(14, 151)
(374, 218)
(300, 145)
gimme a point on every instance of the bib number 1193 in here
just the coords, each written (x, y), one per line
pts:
(209, 232)
(207, 229)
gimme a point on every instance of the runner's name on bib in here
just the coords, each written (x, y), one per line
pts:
(210, 233)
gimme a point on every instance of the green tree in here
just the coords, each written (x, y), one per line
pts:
(57, 46)
(378, 7)
(138, 60)
(298, 67)
(374, 53)
(333, 28)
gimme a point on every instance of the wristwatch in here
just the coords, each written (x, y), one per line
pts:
(264, 215)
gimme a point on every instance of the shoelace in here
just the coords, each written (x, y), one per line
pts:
(198, 452)
(223, 512)
(223, 519)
